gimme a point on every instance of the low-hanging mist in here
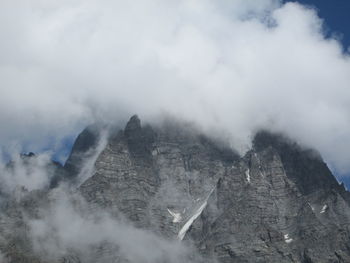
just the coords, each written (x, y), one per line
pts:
(229, 66)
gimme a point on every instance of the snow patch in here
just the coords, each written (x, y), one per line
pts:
(247, 174)
(187, 225)
(176, 216)
(312, 208)
(287, 239)
(324, 208)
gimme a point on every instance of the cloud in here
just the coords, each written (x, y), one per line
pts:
(26, 173)
(69, 228)
(232, 66)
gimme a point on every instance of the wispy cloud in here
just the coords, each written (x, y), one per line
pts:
(68, 227)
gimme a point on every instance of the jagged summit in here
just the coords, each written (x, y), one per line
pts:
(85, 142)
(134, 124)
(303, 166)
(278, 203)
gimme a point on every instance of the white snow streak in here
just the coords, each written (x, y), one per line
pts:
(187, 225)
(312, 208)
(323, 209)
(247, 174)
(190, 221)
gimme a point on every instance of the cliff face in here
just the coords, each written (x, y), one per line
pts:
(278, 203)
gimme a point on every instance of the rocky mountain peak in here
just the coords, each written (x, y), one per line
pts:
(27, 155)
(278, 203)
(133, 125)
(304, 166)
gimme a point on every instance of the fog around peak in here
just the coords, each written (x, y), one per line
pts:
(228, 66)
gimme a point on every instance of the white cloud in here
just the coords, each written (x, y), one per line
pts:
(233, 65)
(26, 173)
(69, 226)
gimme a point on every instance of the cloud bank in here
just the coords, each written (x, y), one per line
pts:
(233, 66)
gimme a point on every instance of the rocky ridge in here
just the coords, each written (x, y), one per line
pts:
(278, 203)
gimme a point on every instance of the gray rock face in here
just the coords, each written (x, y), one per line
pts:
(84, 147)
(278, 203)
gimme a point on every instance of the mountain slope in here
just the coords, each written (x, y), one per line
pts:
(278, 203)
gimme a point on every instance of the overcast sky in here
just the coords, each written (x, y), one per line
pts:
(233, 66)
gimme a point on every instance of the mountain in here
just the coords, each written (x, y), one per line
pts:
(168, 193)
